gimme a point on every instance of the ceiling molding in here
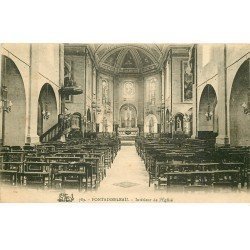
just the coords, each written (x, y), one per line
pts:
(110, 58)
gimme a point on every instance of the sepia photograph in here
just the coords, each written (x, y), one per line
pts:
(125, 122)
(124, 125)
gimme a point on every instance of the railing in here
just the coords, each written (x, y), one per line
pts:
(70, 87)
(56, 131)
(50, 134)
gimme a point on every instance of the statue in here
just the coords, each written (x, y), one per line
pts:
(151, 125)
(105, 90)
(128, 118)
(178, 123)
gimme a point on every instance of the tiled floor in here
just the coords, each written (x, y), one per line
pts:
(127, 173)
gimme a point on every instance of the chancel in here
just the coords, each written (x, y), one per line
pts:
(78, 115)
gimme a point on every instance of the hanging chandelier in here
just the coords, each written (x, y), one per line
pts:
(5, 104)
(209, 112)
(246, 108)
(171, 119)
(45, 112)
(98, 109)
(93, 105)
(158, 110)
(246, 105)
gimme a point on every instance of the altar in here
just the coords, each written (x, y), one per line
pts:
(128, 129)
(128, 133)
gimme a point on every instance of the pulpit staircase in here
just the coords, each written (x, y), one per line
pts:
(55, 132)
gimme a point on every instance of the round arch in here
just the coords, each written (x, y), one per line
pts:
(76, 121)
(150, 125)
(239, 98)
(207, 106)
(47, 109)
(15, 118)
(128, 116)
(178, 122)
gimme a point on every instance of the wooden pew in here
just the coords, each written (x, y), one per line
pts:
(35, 173)
(75, 173)
(9, 171)
(198, 174)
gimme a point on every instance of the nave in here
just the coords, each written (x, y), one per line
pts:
(124, 118)
(128, 178)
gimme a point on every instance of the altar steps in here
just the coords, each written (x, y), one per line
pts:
(127, 143)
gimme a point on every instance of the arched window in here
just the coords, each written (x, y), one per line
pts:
(88, 116)
(150, 125)
(128, 90)
(167, 115)
(152, 90)
(105, 91)
(128, 116)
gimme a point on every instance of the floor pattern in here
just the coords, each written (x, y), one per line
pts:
(127, 172)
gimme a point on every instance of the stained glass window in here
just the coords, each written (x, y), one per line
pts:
(128, 89)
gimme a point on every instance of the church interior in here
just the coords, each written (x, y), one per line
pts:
(125, 116)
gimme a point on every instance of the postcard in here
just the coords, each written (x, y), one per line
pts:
(124, 122)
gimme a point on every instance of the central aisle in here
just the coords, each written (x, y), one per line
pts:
(127, 174)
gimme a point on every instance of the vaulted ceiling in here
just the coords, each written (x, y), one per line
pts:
(129, 58)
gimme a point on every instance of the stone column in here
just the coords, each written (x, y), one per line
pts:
(222, 138)
(195, 100)
(1, 75)
(140, 111)
(61, 84)
(187, 126)
(195, 112)
(33, 95)
(84, 115)
(163, 100)
(167, 88)
(113, 106)
(171, 90)
(61, 76)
